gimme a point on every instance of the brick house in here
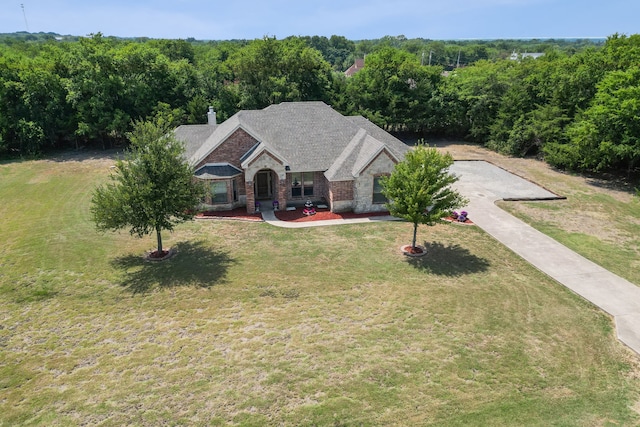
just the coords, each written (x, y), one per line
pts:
(289, 153)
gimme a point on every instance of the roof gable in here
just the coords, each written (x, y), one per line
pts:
(369, 151)
(256, 151)
(342, 168)
(395, 146)
(221, 133)
(309, 136)
(356, 157)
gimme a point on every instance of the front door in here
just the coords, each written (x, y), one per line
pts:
(264, 187)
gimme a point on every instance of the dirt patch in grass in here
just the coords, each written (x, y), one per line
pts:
(590, 220)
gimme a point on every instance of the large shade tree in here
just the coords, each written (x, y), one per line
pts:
(419, 188)
(152, 189)
(271, 71)
(607, 134)
(395, 92)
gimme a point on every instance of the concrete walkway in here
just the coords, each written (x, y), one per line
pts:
(613, 294)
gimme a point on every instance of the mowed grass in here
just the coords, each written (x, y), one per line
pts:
(255, 325)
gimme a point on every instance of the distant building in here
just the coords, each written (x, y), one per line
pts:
(520, 56)
(357, 66)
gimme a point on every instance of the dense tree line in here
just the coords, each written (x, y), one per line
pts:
(578, 105)
(580, 111)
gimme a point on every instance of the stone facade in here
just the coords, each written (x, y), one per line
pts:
(293, 136)
(342, 196)
(363, 185)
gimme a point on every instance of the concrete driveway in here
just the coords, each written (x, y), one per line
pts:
(496, 183)
(483, 184)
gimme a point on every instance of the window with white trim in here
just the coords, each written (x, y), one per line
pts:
(219, 192)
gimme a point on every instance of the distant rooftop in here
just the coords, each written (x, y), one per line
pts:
(357, 66)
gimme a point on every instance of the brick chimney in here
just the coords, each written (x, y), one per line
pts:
(211, 117)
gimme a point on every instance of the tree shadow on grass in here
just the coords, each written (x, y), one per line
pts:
(448, 260)
(614, 182)
(194, 264)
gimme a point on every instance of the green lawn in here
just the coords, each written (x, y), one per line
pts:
(255, 325)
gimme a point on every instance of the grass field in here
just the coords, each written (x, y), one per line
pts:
(255, 325)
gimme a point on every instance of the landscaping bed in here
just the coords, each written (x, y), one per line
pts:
(237, 214)
(323, 214)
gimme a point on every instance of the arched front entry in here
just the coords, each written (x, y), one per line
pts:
(266, 179)
(263, 184)
(265, 188)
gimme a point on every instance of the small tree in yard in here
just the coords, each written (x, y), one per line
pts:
(152, 189)
(419, 189)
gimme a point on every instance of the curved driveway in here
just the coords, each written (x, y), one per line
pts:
(483, 184)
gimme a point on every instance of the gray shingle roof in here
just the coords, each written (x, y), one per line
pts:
(219, 170)
(310, 136)
(342, 168)
(369, 149)
(393, 144)
(248, 154)
(193, 137)
(359, 153)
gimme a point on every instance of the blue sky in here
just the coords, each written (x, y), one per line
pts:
(354, 19)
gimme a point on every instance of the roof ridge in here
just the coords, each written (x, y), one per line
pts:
(369, 149)
(346, 154)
